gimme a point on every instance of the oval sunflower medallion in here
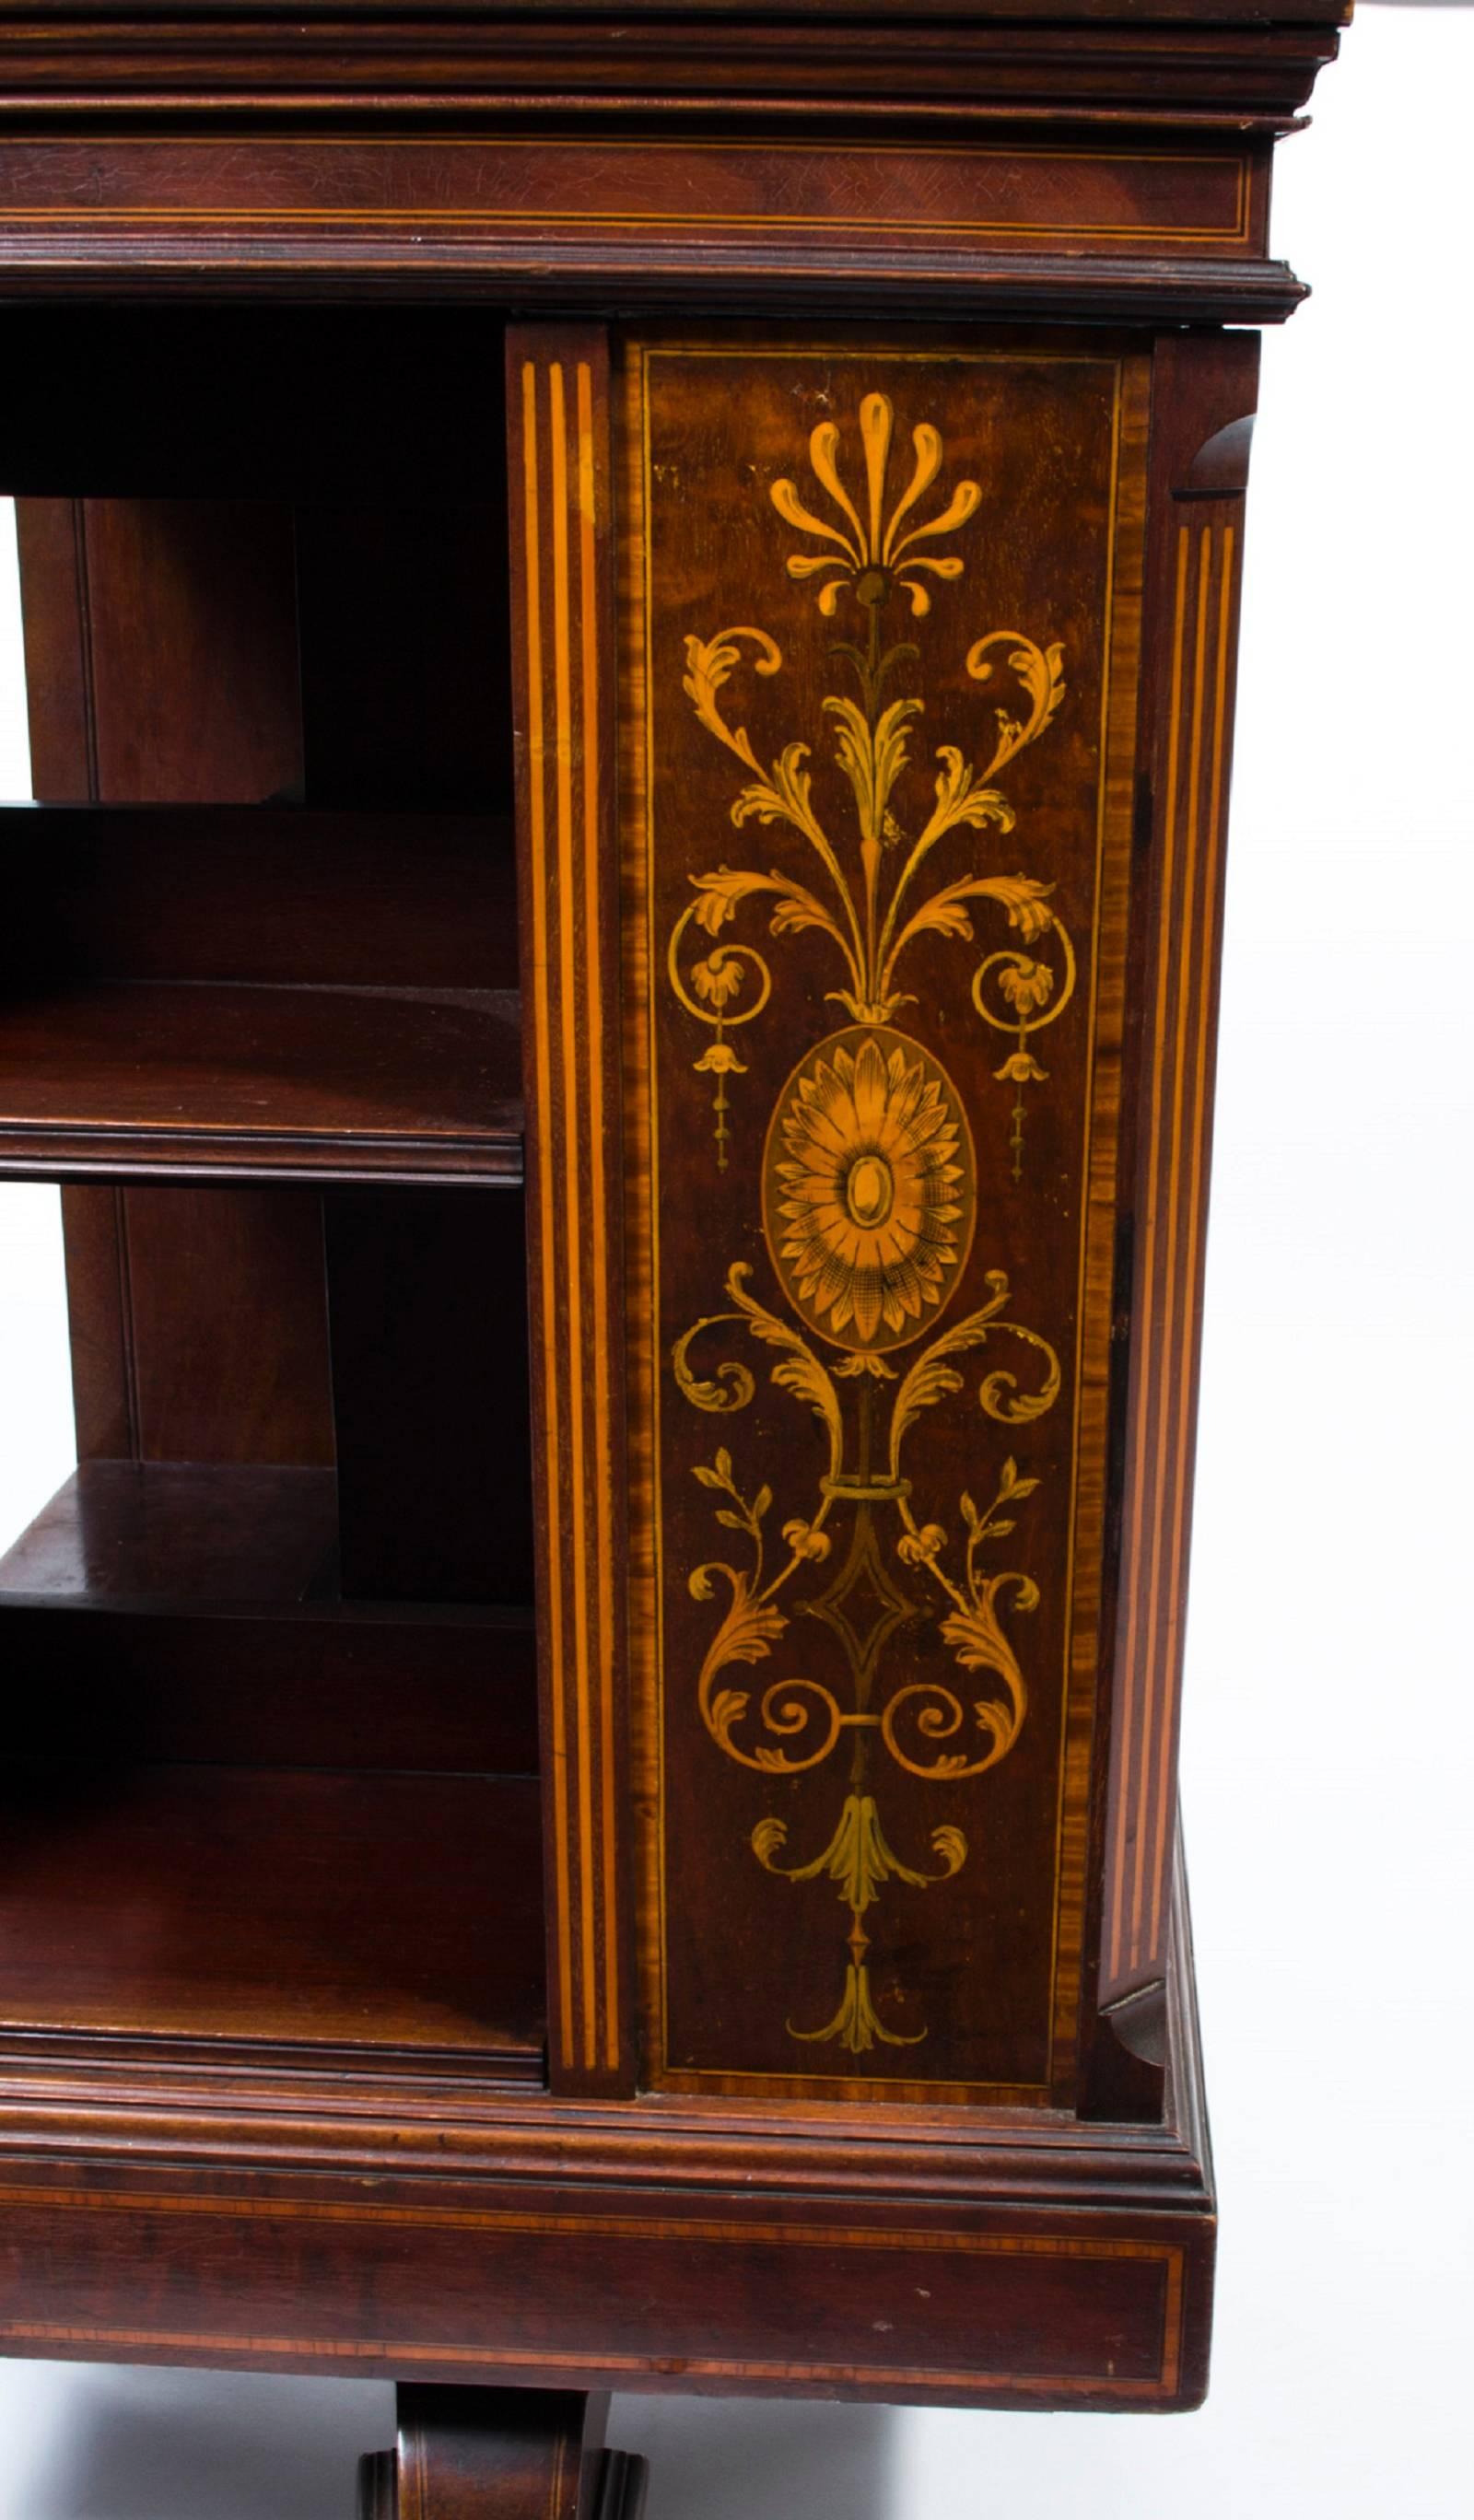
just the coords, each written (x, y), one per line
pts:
(869, 1188)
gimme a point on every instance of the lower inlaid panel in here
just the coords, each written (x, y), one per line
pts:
(881, 620)
(543, 2293)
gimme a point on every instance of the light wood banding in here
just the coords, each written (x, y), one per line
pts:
(1170, 1244)
(558, 408)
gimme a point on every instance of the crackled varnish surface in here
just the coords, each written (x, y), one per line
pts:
(882, 614)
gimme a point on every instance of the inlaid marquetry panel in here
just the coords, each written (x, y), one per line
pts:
(559, 472)
(882, 611)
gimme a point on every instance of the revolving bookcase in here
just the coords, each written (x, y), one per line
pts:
(630, 621)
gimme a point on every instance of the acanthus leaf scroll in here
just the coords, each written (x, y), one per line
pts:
(865, 909)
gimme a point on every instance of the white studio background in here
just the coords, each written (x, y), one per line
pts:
(1328, 1730)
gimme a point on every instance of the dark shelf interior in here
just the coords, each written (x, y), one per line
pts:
(236, 1806)
(325, 404)
(264, 924)
(193, 1613)
(271, 1786)
(296, 1907)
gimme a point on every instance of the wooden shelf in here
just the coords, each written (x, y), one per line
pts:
(155, 1531)
(303, 1909)
(186, 1614)
(213, 1081)
(238, 1807)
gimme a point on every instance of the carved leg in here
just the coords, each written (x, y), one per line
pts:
(500, 2454)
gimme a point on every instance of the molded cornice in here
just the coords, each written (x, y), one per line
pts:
(1075, 61)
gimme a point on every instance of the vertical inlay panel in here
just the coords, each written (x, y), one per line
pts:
(559, 458)
(883, 608)
(1202, 561)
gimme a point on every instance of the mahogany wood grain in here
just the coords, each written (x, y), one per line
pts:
(421, 2234)
(492, 2454)
(100, 1324)
(1200, 456)
(162, 1531)
(994, 194)
(82, 593)
(500, 2454)
(161, 647)
(199, 1324)
(52, 555)
(189, 610)
(342, 14)
(229, 1342)
(204, 1081)
(1047, 64)
(1016, 2316)
(256, 270)
(654, 2148)
(1108, 227)
(344, 1908)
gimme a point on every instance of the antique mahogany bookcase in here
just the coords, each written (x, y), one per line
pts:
(630, 621)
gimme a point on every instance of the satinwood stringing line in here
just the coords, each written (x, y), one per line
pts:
(603, 1470)
(1126, 1704)
(1164, 1245)
(546, 1200)
(1170, 1644)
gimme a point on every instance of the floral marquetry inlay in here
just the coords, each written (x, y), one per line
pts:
(868, 593)
(869, 1180)
(869, 1187)
(873, 891)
